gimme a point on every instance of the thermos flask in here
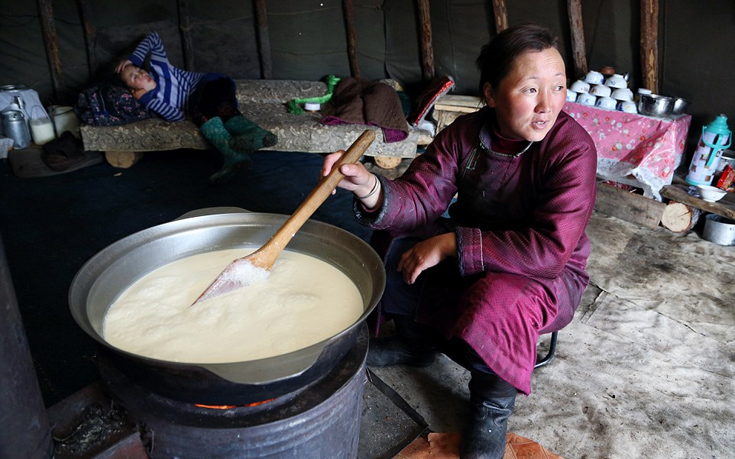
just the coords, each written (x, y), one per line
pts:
(716, 137)
(15, 126)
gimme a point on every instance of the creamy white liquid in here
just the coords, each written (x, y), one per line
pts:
(303, 301)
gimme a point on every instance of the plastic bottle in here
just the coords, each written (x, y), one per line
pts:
(716, 137)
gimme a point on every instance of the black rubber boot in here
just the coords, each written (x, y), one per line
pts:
(492, 401)
(412, 345)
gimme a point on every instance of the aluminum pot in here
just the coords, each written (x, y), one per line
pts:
(109, 272)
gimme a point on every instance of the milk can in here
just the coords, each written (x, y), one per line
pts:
(15, 126)
(715, 138)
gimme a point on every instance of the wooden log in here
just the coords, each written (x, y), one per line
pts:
(51, 40)
(123, 159)
(349, 13)
(90, 34)
(185, 30)
(679, 218)
(427, 48)
(628, 206)
(649, 44)
(388, 162)
(264, 43)
(579, 49)
(501, 15)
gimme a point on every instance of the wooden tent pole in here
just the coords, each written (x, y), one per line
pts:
(51, 40)
(264, 43)
(501, 15)
(90, 33)
(576, 25)
(649, 44)
(185, 30)
(427, 49)
(349, 13)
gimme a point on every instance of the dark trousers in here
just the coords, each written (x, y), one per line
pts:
(401, 302)
(215, 95)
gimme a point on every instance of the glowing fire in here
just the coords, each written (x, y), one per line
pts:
(229, 407)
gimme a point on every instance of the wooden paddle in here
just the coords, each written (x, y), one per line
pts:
(264, 257)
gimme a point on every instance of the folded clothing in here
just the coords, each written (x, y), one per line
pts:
(367, 102)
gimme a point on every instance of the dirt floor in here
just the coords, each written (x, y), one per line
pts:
(645, 369)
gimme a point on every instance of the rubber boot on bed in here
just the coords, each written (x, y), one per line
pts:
(214, 131)
(247, 136)
(492, 400)
(413, 345)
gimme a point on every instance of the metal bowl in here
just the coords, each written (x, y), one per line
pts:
(680, 106)
(108, 273)
(655, 105)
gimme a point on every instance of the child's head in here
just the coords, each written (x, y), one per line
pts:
(136, 78)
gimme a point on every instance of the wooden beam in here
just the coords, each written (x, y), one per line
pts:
(185, 30)
(501, 15)
(427, 48)
(349, 13)
(90, 34)
(264, 43)
(579, 50)
(51, 40)
(649, 44)
(628, 206)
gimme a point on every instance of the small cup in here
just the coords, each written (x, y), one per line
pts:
(607, 103)
(580, 86)
(600, 90)
(571, 95)
(587, 99)
(594, 77)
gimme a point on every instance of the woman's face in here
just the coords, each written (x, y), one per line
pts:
(530, 97)
(137, 78)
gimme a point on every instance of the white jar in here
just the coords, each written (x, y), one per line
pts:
(65, 120)
(42, 130)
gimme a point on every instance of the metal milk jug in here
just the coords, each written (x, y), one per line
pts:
(716, 137)
(15, 126)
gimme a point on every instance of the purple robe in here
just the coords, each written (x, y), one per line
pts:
(520, 226)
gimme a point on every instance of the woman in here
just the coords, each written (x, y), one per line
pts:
(210, 99)
(509, 262)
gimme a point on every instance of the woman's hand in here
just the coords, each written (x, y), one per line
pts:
(122, 65)
(426, 254)
(357, 179)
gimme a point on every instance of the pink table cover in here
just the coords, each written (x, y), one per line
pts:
(634, 146)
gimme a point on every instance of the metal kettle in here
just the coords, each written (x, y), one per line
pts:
(15, 126)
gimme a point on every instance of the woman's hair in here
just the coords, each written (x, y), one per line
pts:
(496, 58)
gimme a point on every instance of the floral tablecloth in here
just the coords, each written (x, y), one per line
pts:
(631, 146)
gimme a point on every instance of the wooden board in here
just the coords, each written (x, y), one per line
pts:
(628, 206)
(679, 193)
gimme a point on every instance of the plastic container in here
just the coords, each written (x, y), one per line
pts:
(42, 130)
(716, 137)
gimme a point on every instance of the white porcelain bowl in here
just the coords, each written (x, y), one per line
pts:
(622, 94)
(580, 86)
(711, 193)
(594, 77)
(600, 90)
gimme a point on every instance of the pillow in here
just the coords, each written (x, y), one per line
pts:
(428, 97)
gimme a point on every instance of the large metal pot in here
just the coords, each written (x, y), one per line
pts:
(110, 271)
